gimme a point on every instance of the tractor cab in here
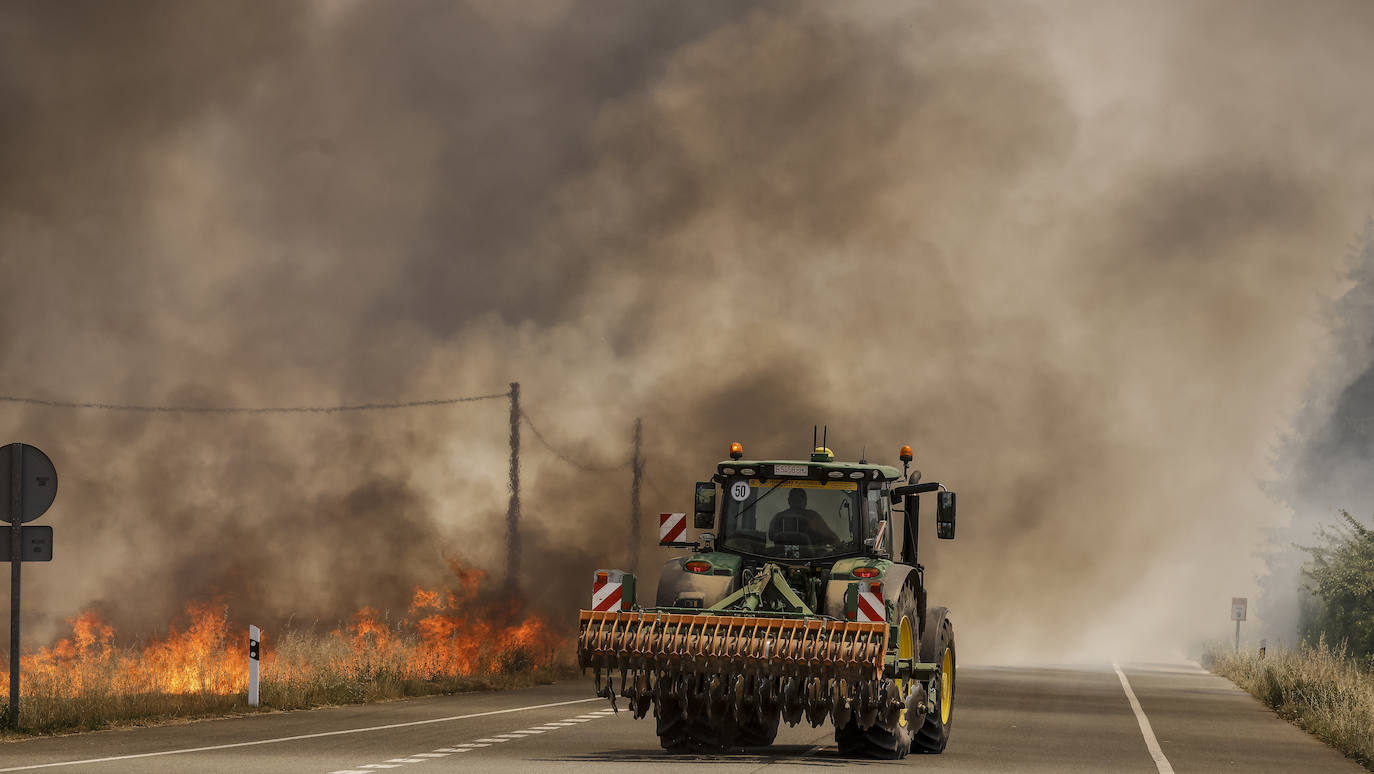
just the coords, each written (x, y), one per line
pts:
(816, 509)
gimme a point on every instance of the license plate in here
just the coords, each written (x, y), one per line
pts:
(790, 470)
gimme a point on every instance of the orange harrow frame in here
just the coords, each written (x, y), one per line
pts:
(748, 645)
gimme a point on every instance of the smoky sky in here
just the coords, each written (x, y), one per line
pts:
(1077, 256)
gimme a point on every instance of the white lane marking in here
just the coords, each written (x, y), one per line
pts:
(299, 737)
(545, 728)
(487, 742)
(570, 720)
(351, 771)
(380, 766)
(1161, 762)
(562, 725)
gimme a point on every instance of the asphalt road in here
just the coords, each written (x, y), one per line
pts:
(1007, 719)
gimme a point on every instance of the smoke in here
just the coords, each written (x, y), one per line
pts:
(1075, 255)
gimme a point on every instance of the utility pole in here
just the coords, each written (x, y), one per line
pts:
(513, 511)
(637, 466)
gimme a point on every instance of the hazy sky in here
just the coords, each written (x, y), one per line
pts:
(1081, 256)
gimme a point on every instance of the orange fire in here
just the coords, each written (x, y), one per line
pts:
(447, 633)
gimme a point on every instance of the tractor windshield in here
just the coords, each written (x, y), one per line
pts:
(791, 519)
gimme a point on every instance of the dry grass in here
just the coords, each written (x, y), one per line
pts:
(1319, 688)
(200, 670)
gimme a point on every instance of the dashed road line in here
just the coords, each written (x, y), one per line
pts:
(486, 741)
(298, 737)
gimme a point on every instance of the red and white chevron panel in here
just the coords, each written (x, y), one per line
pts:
(871, 604)
(606, 593)
(672, 527)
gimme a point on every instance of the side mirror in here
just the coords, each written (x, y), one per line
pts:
(704, 516)
(944, 515)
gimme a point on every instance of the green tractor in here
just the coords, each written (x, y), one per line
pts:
(807, 603)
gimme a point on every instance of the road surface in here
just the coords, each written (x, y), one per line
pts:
(1136, 718)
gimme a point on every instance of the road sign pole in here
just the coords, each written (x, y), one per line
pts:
(16, 558)
(1237, 635)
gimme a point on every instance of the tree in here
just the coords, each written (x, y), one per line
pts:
(1341, 580)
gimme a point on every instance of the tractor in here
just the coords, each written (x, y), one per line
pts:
(801, 598)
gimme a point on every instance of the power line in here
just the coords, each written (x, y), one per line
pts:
(248, 409)
(567, 458)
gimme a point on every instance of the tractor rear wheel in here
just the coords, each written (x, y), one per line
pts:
(878, 741)
(937, 646)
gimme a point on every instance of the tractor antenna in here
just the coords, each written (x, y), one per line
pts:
(863, 456)
(813, 437)
(825, 431)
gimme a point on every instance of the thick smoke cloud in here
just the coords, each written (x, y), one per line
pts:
(1073, 254)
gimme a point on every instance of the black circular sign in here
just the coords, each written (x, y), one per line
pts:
(38, 482)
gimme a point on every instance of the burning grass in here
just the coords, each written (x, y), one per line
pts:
(1319, 688)
(448, 642)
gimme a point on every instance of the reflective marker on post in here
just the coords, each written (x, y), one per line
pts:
(254, 646)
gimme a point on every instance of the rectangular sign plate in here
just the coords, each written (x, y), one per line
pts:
(791, 470)
(1238, 605)
(36, 543)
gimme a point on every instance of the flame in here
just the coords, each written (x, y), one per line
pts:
(452, 632)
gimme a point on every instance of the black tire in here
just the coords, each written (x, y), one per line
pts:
(693, 733)
(933, 736)
(877, 741)
(753, 733)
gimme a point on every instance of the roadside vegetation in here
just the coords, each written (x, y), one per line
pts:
(1322, 689)
(200, 669)
(1326, 684)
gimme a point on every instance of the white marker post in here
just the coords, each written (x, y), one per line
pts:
(254, 640)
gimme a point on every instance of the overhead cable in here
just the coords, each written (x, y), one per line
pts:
(173, 409)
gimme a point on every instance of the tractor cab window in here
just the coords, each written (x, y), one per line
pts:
(791, 519)
(877, 509)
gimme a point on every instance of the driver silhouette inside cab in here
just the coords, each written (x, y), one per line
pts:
(799, 524)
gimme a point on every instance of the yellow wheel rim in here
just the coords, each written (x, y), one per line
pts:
(946, 686)
(906, 648)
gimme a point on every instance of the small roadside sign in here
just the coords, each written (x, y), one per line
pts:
(1238, 605)
(35, 543)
